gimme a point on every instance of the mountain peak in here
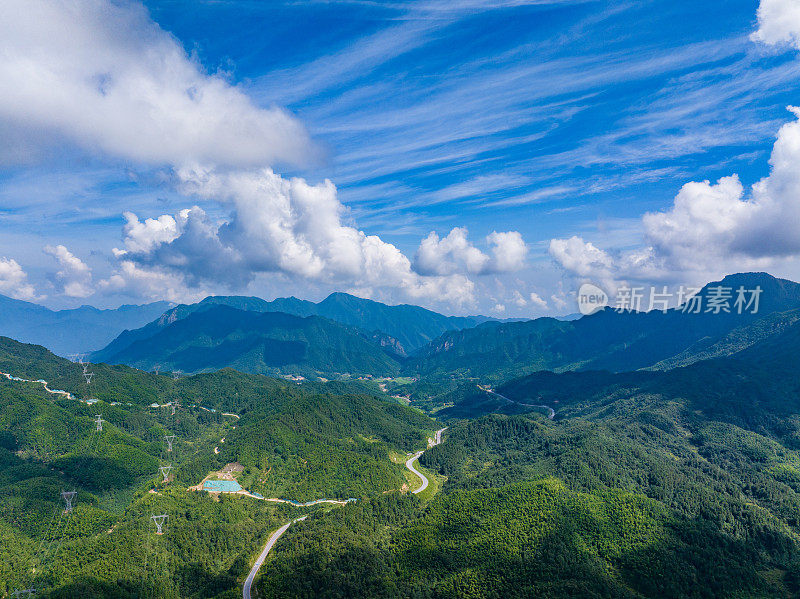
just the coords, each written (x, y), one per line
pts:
(749, 278)
(777, 295)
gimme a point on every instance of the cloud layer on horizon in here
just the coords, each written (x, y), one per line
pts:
(279, 226)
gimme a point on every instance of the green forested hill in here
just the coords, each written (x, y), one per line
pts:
(410, 326)
(255, 342)
(294, 441)
(335, 446)
(681, 482)
(526, 539)
(609, 340)
(648, 484)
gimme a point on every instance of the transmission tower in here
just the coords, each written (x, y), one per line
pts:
(170, 439)
(159, 522)
(21, 592)
(68, 496)
(176, 374)
(88, 376)
(165, 471)
(99, 422)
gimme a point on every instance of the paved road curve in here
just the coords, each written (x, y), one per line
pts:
(42, 382)
(410, 462)
(410, 466)
(551, 413)
(277, 534)
(267, 548)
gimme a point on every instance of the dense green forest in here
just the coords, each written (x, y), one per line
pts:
(609, 339)
(636, 489)
(294, 441)
(525, 539)
(255, 342)
(660, 482)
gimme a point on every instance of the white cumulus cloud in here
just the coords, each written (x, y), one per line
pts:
(538, 301)
(711, 228)
(778, 23)
(102, 75)
(74, 277)
(154, 284)
(456, 254)
(14, 280)
(276, 225)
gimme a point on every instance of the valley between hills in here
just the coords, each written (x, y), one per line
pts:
(354, 449)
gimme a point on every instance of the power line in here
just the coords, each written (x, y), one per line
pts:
(68, 496)
(159, 522)
(165, 471)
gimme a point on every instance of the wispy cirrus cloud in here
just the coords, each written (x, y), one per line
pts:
(108, 80)
(713, 228)
(526, 108)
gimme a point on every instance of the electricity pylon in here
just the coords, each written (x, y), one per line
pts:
(165, 471)
(99, 422)
(159, 521)
(170, 439)
(68, 496)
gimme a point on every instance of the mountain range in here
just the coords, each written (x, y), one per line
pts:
(402, 329)
(75, 331)
(411, 326)
(219, 336)
(341, 334)
(612, 340)
(624, 455)
(355, 337)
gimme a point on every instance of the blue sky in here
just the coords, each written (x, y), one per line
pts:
(547, 117)
(553, 119)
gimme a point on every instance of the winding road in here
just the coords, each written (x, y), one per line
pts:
(295, 503)
(42, 382)
(248, 583)
(551, 413)
(260, 560)
(410, 466)
(410, 462)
